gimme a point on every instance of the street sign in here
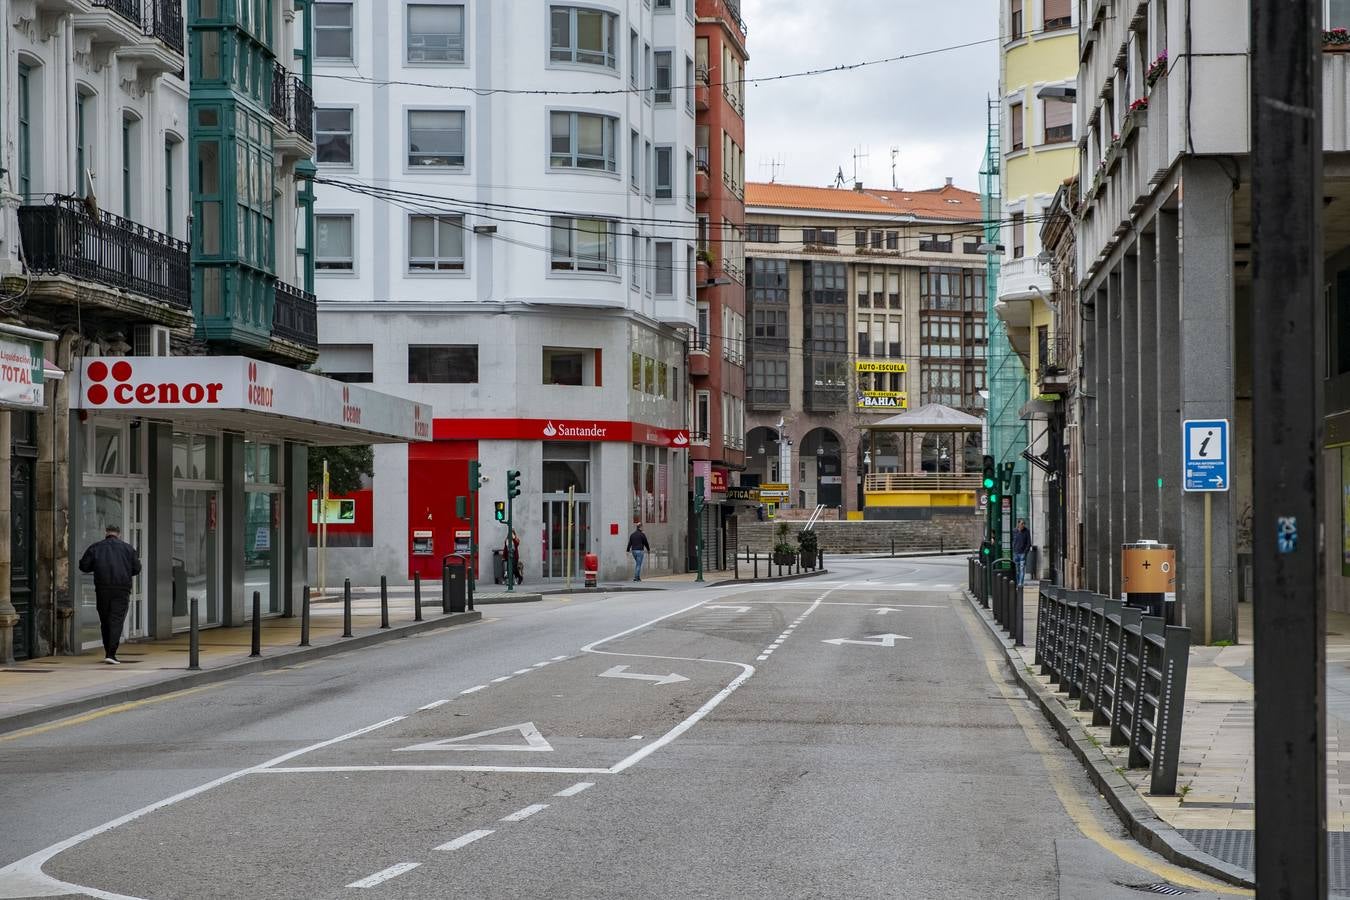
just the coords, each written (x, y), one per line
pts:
(1204, 448)
(773, 491)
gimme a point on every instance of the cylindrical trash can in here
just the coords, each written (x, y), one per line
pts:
(591, 564)
(458, 570)
(1148, 579)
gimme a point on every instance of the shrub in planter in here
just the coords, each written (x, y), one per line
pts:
(783, 551)
(809, 547)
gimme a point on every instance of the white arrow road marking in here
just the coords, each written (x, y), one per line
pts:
(534, 741)
(877, 640)
(739, 609)
(622, 672)
(881, 611)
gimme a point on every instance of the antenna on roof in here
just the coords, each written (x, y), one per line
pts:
(857, 155)
(774, 165)
(895, 154)
(839, 179)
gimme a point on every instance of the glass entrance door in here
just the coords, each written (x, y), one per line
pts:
(134, 531)
(562, 543)
(196, 557)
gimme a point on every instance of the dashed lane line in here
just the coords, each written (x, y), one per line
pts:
(384, 875)
(575, 789)
(465, 840)
(475, 688)
(521, 815)
(433, 704)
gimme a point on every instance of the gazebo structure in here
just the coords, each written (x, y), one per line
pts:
(890, 494)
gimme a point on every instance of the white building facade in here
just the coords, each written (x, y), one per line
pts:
(506, 230)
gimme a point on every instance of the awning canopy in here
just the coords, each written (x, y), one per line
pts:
(236, 393)
(931, 417)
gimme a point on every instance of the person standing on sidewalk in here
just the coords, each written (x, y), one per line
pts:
(1021, 546)
(113, 563)
(638, 546)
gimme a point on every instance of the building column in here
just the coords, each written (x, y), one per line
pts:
(294, 567)
(9, 616)
(1146, 308)
(1129, 431)
(1094, 462)
(235, 606)
(1207, 388)
(53, 506)
(158, 569)
(1113, 498)
(1168, 384)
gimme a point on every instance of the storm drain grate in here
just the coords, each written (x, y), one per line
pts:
(1238, 846)
(1157, 887)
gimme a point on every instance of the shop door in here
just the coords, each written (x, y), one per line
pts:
(135, 625)
(22, 556)
(558, 541)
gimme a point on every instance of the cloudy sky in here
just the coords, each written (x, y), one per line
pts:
(931, 108)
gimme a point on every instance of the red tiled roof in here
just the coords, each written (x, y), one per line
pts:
(946, 202)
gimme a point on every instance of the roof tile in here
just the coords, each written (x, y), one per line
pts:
(946, 202)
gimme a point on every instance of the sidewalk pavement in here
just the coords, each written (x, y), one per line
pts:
(52, 687)
(1214, 808)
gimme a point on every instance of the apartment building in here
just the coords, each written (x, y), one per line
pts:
(155, 308)
(521, 257)
(859, 301)
(717, 354)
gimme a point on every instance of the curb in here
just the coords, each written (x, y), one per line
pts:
(815, 573)
(225, 673)
(1139, 819)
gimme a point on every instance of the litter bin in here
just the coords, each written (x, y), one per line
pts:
(1148, 577)
(498, 567)
(456, 582)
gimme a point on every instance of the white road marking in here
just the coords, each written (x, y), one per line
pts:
(434, 704)
(552, 770)
(558, 659)
(381, 877)
(503, 678)
(525, 813)
(739, 609)
(534, 741)
(575, 789)
(877, 640)
(761, 657)
(465, 840)
(476, 687)
(538, 664)
(522, 671)
(622, 672)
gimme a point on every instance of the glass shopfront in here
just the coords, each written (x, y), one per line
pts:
(196, 532)
(263, 535)
(114, 491)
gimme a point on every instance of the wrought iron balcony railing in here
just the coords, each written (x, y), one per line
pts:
(164, 20)
(295, 315)
(64, 236)
(292, 102)
(127, 9)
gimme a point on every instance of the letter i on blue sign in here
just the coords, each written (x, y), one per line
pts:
(1286, 534)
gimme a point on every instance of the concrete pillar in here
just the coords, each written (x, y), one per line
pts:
(74, 484)
(1093, 462)
(1113, 498)
(9, 616)
(1168, 390)
(1146, 309)
(1129, 355)
(1207, 387)
(294, 572)
(157, 572)
(53, 506)
(232, 508)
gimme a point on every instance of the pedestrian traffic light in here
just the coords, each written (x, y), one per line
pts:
(986, 550)
(499, 510)
(990, 475)
(475, 476)
(512, 483)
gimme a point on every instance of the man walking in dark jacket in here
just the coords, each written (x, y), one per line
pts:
(113, 563)
(1021, 546)
(638, 546)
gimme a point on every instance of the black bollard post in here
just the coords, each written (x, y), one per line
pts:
(736, 562)
(820, 560)
(417, 596)
(756, 565)
(194, 645)
(304, 617)
(892, 546)
(384, 602)
(347, 607)
(445, 587)
(257, 624)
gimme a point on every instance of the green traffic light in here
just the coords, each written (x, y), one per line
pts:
(988, 483)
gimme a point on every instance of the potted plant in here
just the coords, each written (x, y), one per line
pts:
(1338, 38)
(783, 551)
(809, 548)
(1156, 69)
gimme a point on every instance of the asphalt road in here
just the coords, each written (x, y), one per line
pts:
(851, 736)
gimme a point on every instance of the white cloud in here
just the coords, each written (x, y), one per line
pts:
(932, 108)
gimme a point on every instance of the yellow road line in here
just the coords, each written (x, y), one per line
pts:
(1070, 797)
(100, 713)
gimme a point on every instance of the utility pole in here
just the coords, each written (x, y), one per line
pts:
(1289, 609)
(698, 516)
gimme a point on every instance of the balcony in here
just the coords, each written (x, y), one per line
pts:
(767, 399)
(97, 258)
(295, 316)
(702, 91)
(164, 21)
(150, 39)
(292, 106)
(702, 185)
(826, 399)
(1054, 364)
(700, 363)
(935, 246)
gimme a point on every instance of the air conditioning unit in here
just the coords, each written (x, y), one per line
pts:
(150, 340)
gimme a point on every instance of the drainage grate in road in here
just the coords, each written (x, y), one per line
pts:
(1158, 887)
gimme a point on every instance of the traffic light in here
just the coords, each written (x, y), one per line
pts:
(499, 510)
(991, 479)
(475, 476)
(512, 483)
(986, 550)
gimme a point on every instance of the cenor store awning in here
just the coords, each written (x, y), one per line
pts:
(236, 393)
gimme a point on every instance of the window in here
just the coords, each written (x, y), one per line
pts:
(650, 162)
(665, 269)
(130, 168)
(83, 160)
(892, 240)
(768, 382)
(435, 33)
(1014, 20)
(170, 207)
(443, 364)
(702, 418)
(635, 259)
(662, 63)
(1016, 119)
(584, 36)
(333, 30)
(1058, 117)
(1337, 14)
(769, 329)
(1018, 225)
(665, 173)
(582, 245)
(860, 238)
(333, 136)
(824, 237)
(634, 61)
(651, 74)
(691, 267)
(702, 328)
(762, 234)
(436, 138)
(690, 181)
(768, 281)
(436, 243)
(688, 84)
(25, 131)
(634, 161)
(649, 253)
(583, 141)
(333, 243)
(571, 366)
(1055, 14)
(663, 5)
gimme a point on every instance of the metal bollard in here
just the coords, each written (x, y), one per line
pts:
(892, 546)
(194, 645)
(257, 624)
(820, 560)
(445, 587)
(736, 557)
(384, 602)
(756, 565)
(304, 617)
(347, 607)
(417, 596)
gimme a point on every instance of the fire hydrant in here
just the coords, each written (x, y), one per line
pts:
(592, 568)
